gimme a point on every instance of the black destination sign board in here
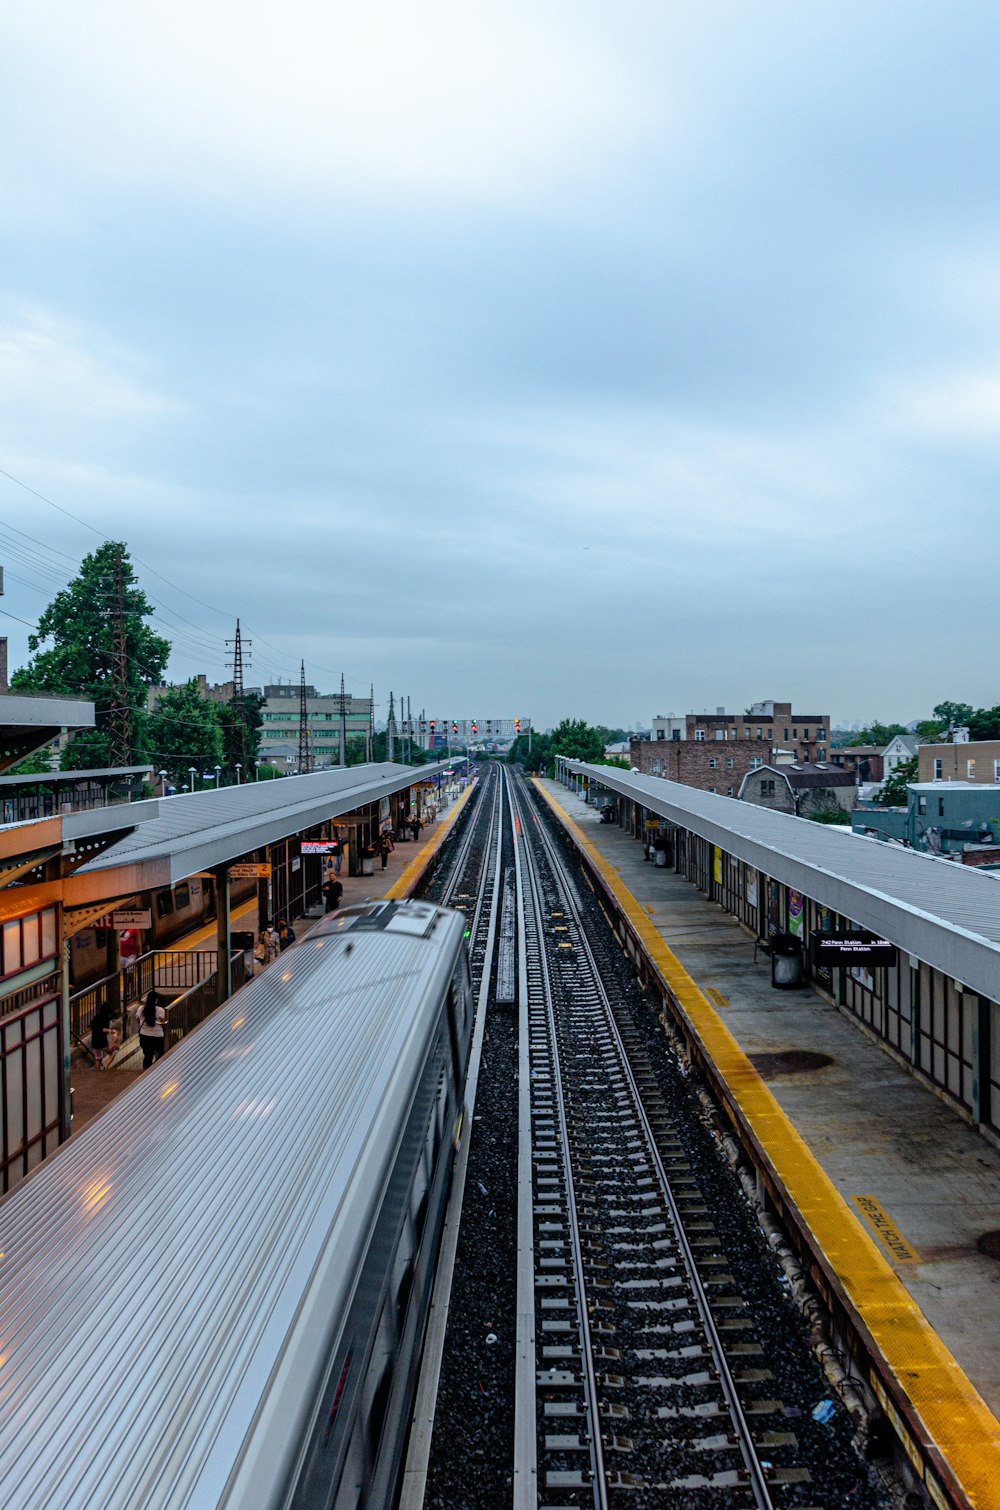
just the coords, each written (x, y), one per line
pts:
(840, 949)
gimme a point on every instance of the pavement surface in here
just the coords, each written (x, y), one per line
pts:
(875, 1130)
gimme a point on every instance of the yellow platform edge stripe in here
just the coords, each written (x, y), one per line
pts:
(413, 872)
(956, 1419)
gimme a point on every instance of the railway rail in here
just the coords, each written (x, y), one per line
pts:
(619, 1332)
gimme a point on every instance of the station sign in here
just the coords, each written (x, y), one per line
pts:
(844, 949)
(125, 917)
(249, 872)
(319, 846)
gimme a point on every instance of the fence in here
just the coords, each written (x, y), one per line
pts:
(184, 1014)
(167, 970)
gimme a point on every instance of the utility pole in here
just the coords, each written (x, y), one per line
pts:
(371, 723)
(237, 704)
(119, 712)
(409, 732)
(305, 760)
(390, 729)
(342, 709)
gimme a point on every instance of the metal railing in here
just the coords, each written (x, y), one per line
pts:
(187, 1011)
(174, 970)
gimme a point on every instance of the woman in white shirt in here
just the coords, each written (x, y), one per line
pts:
(151, 1037)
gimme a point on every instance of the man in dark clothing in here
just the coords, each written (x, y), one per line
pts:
(285, 936)
(333, 890)
(415, 827)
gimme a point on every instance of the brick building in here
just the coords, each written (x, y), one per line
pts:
(972, 760)
(714, 751)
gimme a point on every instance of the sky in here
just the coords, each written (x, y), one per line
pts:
(536, 358)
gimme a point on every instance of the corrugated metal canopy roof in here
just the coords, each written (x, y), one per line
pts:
(936, 909)
(195, 830)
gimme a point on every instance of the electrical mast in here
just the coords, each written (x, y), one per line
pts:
(237, 704)
(371, 723)
(390, 729)
(342, 707)
(119, 711)
(305, 760)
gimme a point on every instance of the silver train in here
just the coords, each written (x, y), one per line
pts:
(216, 1293)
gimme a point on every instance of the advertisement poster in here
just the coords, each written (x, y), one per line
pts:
(717, 864)
(796, 903)
(752, 887)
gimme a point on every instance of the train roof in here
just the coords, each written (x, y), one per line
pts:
(159, 1272)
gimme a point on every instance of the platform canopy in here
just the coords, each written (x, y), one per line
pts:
(937, 910)
(29, 722)
(192, 832)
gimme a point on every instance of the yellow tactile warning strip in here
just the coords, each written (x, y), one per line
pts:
(885, 1229)
(959, 1431)
(411, 875)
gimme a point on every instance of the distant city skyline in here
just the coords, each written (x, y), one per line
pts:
(591, 361)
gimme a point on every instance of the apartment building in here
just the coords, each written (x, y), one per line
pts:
(976, 761)
(686, 748)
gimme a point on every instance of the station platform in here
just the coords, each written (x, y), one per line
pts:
(95, 1089)
(893, 1186)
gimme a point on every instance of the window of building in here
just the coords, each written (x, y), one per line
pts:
(711, 789)
(660, 733)
(767, 787)
(805, 733)
(699, 735)
(712, 763)
(939, 769)
(729, 763)
(770, 733)
(940, 807)
(720, 733)
(921, 805)
(819, 733)
(795, 733)
(756, 763)
(786, 734)
(821, 752)
(970, 770)
(996, 770)
(729, 791)
(760, 733)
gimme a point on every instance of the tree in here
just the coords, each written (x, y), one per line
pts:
(72, 652)
(232, 744)
(877, 734)
(834, 815)
(893, 792)
(578, 740)
(185, 730)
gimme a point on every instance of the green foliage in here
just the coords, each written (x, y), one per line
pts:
(72, 652)
(184, 730)
(578, 740)
(538, 758)
(615, 760)
(877, 734)
(39, 763)
(834, 815)
(893, 792)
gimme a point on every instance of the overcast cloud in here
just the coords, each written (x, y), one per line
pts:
(539, 359)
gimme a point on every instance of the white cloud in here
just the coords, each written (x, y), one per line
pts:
(480, 100)
(53, 371)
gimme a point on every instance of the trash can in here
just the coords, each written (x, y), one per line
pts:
(367, 865)
(661, 854)
(786, 961)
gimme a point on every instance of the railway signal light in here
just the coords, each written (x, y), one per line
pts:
(454, 728)
(475, 728)
(517, 726)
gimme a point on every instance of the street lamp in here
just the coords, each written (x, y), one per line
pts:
(239, 770)
(192, 772)
(163, 782)
(217, 770)
(258, 764)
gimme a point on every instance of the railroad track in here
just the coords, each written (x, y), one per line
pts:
(637, 1367)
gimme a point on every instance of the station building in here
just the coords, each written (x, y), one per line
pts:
(686, 748)
(936, 1010)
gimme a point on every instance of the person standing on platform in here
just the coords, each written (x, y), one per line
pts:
(338, 856)
(333, 890)
(384, 848)
(415, 827)
(286, 936)
(99, 1044)
(151, 1035)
